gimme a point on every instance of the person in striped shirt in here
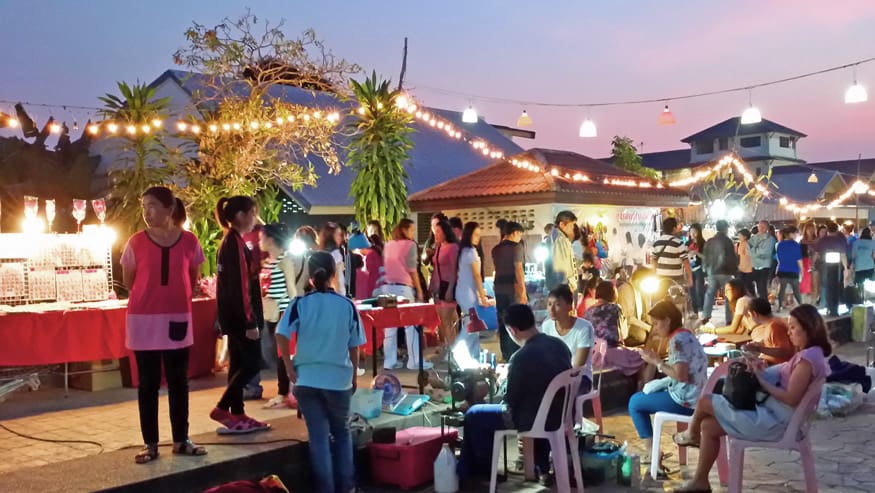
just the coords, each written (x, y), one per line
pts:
(669, 257)
(281, 288)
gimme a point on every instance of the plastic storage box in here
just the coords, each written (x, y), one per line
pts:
(409, 462)
(367, 402)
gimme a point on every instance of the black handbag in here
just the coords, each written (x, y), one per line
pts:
(741, 386)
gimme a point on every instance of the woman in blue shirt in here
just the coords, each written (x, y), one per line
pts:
(323, 370)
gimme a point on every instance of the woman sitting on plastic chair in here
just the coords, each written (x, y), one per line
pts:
(785, 383)
(686, 374)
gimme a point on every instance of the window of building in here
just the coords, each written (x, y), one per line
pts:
(786, 142)
(704, 147)
(723, 143)
(750, 141)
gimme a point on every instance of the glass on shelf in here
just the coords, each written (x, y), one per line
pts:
(79, 212)
(31, 206)
(50, 212)
(99, 207)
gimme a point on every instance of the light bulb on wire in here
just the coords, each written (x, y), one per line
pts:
(587, 129)
(524, 120)
(666, 117)
(469, 115)
(752, 113)
(856, 93)
(812, 178)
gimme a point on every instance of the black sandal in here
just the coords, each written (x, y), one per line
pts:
(188, 448)
(148, 454)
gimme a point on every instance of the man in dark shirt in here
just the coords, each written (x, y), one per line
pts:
(832, 251)
(508, 257)
(531, 369)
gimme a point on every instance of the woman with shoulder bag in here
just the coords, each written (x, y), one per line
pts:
(443, 278)
(785, 385)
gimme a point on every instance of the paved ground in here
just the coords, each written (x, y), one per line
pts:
(842, 445)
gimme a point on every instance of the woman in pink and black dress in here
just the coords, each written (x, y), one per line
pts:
(160, 268)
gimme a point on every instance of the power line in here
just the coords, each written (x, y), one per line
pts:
(47, 105)
(522, 102)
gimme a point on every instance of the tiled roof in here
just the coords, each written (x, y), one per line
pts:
(848, 168)
(502, 178)
(434, 158)
(663, 160)
(733, 126)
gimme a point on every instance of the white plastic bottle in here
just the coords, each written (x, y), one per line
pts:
(445, 478)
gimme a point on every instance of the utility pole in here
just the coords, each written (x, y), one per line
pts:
(403, 66)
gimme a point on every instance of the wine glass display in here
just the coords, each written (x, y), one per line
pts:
(31, 207)
(99, 207)
(79, 212)
(50, 212)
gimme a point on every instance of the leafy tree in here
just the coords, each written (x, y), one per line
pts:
(245, 65)
(626, 157)
(378, 153)
(141, 159)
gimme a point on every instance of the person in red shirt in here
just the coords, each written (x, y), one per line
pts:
(160, 268)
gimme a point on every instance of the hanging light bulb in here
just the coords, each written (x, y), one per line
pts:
(470, 115)
(812, 178)
(856, 93)
(752, 113)
(524, 120)
(75, 125)
(587, 129)
(666, 117)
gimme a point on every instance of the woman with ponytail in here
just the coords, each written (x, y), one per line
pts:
(160, 268)
(238, 295)
(323, 371)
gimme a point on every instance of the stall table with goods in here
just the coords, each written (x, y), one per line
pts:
(377, 319)
(57, 305)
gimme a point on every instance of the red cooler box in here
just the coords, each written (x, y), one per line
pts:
(409, 462)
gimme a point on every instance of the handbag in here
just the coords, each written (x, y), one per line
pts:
(741, 386)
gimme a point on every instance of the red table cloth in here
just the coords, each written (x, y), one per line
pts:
(62, 336)
(379, 319)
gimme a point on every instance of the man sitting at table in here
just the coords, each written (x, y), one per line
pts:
(770, 336)
(530, 371)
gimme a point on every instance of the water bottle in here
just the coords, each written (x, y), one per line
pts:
(445, 478)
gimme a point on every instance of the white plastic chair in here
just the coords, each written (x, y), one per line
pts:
(795, 438)
(661, 418)
(593, 395)
(569, 381)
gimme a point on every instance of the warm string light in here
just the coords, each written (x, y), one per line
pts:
(577, 176)
(856, 188)
(110, 127)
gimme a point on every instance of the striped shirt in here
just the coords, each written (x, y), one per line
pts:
(670, 254)
(277, 288)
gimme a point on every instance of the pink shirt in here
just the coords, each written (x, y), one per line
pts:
(446, 264)
(367, 276)
(399, 261)
(159, 306)
(814, 356)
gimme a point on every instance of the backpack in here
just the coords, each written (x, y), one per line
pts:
(741, 386)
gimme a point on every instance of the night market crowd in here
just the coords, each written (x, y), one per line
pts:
(286, 298)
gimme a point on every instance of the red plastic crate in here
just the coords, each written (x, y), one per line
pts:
(409, 462)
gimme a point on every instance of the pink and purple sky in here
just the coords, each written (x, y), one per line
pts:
(63, 52)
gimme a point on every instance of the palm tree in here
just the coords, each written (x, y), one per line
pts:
(379, 152)
(141, 158)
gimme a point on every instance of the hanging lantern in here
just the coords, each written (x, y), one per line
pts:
(856, 94)
(666, 117)
(524, 120)
(470, 115)
(812, 178)
(587, 129)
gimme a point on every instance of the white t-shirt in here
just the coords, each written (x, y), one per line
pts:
(340, 266)
(466, 291)
(580, 336)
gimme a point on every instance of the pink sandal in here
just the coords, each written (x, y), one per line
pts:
(241, 425)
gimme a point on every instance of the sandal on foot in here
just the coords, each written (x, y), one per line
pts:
(188, 448)
(683, 439)
(148, 454)
(241, 425)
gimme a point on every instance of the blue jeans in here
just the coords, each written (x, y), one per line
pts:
(715, 282)
(697, 291)
(642, 405)
(481, 422)
(326, 413)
